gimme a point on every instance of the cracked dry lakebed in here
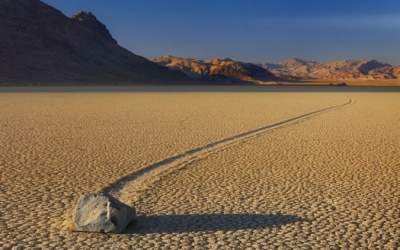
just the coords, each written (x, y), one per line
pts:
(203, 169)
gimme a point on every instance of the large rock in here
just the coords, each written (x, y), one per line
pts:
(99, 212)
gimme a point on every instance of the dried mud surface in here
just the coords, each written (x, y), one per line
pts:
(325, 181)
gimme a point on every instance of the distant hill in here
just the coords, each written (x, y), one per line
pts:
(297, 69)
(218, 69)
(40, 45)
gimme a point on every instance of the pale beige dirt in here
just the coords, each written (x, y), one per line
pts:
(328, 181)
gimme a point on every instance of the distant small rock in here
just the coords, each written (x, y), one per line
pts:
(99, 212)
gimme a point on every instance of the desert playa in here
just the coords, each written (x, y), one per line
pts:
(234, 169)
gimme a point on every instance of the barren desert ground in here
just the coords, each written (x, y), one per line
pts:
(204, 169)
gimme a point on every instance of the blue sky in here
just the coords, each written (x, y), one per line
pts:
(251, 30)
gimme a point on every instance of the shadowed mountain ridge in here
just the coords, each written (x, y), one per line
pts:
(39, 44)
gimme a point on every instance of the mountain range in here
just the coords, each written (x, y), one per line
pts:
(218, 69)
(335, 70)
(39, 45)
(292, 70)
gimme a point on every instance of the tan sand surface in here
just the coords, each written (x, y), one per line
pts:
(330, 179)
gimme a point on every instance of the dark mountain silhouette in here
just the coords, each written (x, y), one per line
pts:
(40, 45)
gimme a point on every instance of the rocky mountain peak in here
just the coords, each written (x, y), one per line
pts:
(297, 62)
(40, 45)
(369, 69)
(368, 65)
(90, 21)
(85, 16)
(217, 68)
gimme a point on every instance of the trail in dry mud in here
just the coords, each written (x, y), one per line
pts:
(129, 187)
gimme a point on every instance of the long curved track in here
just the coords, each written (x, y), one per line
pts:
(129, 187)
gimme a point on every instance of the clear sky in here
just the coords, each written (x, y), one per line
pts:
(251, 30)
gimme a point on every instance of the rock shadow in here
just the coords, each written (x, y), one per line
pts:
(207, 222)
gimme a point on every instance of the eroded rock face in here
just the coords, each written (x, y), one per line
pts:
(99, 212)
(335, 70)
(217, 69)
